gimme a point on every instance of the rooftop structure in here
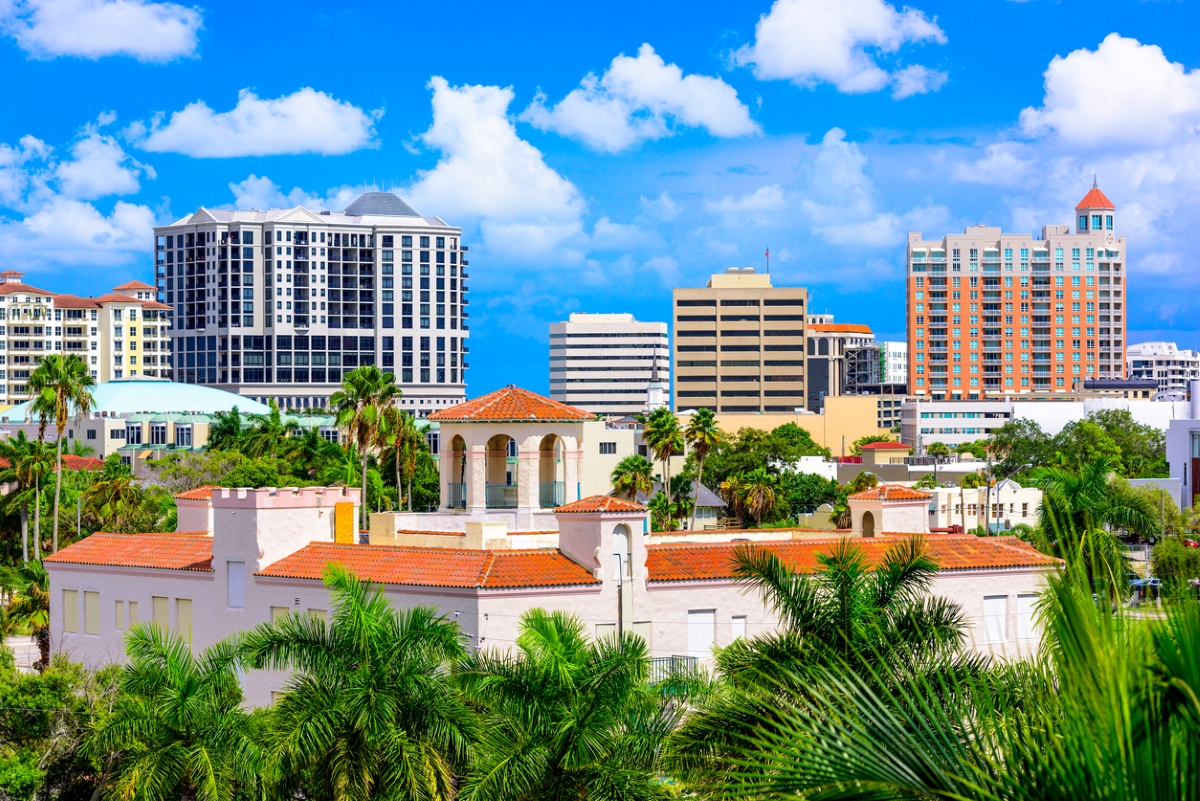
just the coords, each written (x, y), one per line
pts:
(1169, 366)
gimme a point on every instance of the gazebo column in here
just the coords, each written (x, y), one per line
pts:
(528, 476)
(573, 472)
(477, 477)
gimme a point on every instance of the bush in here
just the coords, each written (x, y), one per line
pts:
(1175, 563)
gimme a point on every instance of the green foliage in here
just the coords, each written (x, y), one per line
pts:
(802, 493)
(927, 481)
(1134, 450)
(1018, 442)
(1175, 563)
(632, 475)
(972, 481)
(856, 448)
(977, 448)
(186, 470)
(938, 449)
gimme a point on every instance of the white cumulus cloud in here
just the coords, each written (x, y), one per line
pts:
(488, 173)
(262, 193)
(840, 42)
(98, 167)
(306, 121)
(147, 31)
(640, 98)
(1123, 93)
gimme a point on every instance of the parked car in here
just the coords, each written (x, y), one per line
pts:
(1191, 544)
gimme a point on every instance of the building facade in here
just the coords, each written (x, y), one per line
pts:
(991, 313)
(828, 346)
(739, 344)
(604, 363)
(1171, 367)
(281, 303)
(120, 334)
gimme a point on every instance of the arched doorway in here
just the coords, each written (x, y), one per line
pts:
(551, 472)
(623, 552)
(868, 524)
(501, 472)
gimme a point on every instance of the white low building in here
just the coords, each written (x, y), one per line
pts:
(817, 466)
(1011, 505)
(1183, 449)
(266, 551)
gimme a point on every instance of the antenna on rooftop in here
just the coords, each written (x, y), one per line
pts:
(1094, 184)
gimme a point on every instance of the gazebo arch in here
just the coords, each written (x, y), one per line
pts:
(502, 480)
(551, 471)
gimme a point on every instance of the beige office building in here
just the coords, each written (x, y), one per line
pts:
(604, 363)
(739, 344)
(993, 314)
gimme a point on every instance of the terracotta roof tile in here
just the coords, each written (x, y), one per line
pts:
(204, 493)
(1095, 199)
(132, 285)
(512, 404)
(114, 298)
(73, 462)
(600, 503)
(179, 551)
(154, 304)
(709, 562)
(74, 302)
(885, 446)
(13, 272)
(9, 289)
(892, 492)
(435, 567)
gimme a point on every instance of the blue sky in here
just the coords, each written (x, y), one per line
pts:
(595, 160)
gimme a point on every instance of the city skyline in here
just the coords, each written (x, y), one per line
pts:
(597, 177)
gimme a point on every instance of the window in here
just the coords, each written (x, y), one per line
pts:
(236, 577)
(91, 613)
(995, 617)
(91, 433)
(133, 434)
(183, 436)
(160, 612)
(1025, 609)
(608, 448)
(183, 619)
(71, 610)
(739, 627)
(701, 630)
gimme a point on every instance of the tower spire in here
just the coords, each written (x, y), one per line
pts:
(1094, 184)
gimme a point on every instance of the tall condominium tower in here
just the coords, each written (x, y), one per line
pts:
(604, 362)
(993, 314)
(739, 344)
(281, 303)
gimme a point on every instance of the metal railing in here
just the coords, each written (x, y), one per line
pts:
(458, 496)
(502, 496)
(551, 493)
(664, 667)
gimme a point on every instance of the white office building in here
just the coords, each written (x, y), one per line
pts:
(604, 363)
(1171, 367)
(895, 362)
(281, 303)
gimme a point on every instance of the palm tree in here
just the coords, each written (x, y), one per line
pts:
(400, 433)
(734, 497)
(226, 431)
(702, 436)
(267, 432)
(1106, 710)
(566, 717)
(664, 437)
(632, 475)
(1079, 511)
(359, 406)
(369, 711)
(178, 729)
(62, 390)
(758, 490)
(663, 511)
(30, 607)
(24, 463)
(112, 504)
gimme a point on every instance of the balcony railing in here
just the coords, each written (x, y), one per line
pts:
(551, 493)
(665, 667)
(458, 496)
(502, 496)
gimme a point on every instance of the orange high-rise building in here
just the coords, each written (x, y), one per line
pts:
(992, 314)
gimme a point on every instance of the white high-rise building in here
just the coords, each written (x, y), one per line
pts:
(894, 356)
(1171, 367)
(282, 303)
(604, 363)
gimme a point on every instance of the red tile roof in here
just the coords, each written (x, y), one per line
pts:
(73, 462)
(74, 302)
(198, 494)
(179, 551)
(154, 304)
(600, 503)
(1095, 199)
(512, 404)
(132, 285)
(11, 288)
(709, 562)
(113, 298)
(435, 567)
(839, 328)
(892, 492)
(12, 272)
(885, 446)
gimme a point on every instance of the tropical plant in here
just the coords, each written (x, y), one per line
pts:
(927, 481)
(758, 493)
(61, 389)
(226, 431)
(702, 435)
(268, 433)
(938, 449)
(370, 710)
(1078, 512)
(663, 512)
(733, 495)
(972, 481)
(23, 465)
(359, 405)
(400, 433)
(634, 474)
(117, 505)
(664, 437)
(179, 730)
(30, 607)
(567, 717)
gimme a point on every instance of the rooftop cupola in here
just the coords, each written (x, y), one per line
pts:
(1095, 212)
